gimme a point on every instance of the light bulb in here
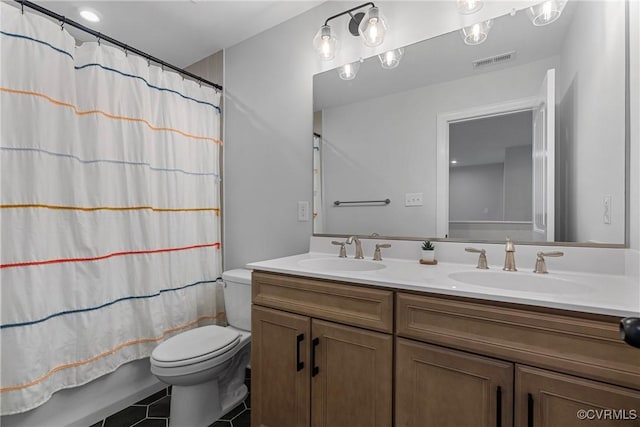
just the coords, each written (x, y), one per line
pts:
(349, 71)
(391, 59)
(467, 7)
(546, 13)
(373, 27)
(476, 33)
(325, 43)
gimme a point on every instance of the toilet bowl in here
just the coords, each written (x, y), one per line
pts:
(206, 365)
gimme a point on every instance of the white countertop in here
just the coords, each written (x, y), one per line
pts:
(609, 294)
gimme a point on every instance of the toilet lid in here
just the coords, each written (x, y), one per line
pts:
(207, 341)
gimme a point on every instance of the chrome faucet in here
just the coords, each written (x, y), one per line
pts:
(541, 266)
(355, 239)
(509, 258)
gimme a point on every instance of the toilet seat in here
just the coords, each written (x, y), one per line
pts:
(195, 346)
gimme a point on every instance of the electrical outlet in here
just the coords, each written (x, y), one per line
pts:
(606, 207)
(413, 199)
(303, 210)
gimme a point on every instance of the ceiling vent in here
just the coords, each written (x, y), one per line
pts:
(495, 60)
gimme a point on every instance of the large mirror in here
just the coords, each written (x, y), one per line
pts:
(521, 135)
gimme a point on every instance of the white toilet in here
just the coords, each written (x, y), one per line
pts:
(206, 365)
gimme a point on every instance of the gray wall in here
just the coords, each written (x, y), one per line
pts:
(210, 68)
(633, 210)
(587, 142)
(518, 170)
(476, 193)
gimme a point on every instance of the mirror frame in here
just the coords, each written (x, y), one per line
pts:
(627, 172)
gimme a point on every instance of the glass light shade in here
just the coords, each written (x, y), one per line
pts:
(373, 27)
(325, 43)
(349, 71)
(467, 7)
(476, 33)
(545, 13)
(391, 59)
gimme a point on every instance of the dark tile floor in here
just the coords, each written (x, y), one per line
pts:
(154, 411)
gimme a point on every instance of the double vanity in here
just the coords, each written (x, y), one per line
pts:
(356, 342)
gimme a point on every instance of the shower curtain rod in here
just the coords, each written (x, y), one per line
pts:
(66, 21)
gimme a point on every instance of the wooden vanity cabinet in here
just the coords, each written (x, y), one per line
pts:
(313, 361)
(329, 354)
(502, 343)
(280, 390)
(440, 387)
(549, 399)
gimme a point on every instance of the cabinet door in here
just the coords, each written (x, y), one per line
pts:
(439, 387)
(548, 399)
(353, 382)
(279, 368)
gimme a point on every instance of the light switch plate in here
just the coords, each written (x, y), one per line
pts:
(413, 199)
(303, 210)
(606, 209)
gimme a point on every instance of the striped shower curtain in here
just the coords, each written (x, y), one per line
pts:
(109, 209)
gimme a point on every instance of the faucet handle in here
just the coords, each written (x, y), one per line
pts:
(377, 255)
(541, 265)
(343, 250)
(482, 259)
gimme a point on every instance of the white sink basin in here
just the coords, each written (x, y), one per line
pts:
(340, 264)
(521, 282)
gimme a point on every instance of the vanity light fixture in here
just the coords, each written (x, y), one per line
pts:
(371, 26)
(546, 12)
(467, 7)
(349, 71)
(391, 59)
(476, 33)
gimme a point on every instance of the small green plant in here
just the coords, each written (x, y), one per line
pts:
(427, 246)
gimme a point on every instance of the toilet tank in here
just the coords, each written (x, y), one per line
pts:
(237, 298)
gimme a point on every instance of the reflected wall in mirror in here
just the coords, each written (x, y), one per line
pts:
(490, 177)
(534, 117)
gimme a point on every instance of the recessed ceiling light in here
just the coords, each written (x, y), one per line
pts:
(453, 162)
(90, 15)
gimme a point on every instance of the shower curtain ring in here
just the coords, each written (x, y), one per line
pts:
(64, 20)
(22, 7)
